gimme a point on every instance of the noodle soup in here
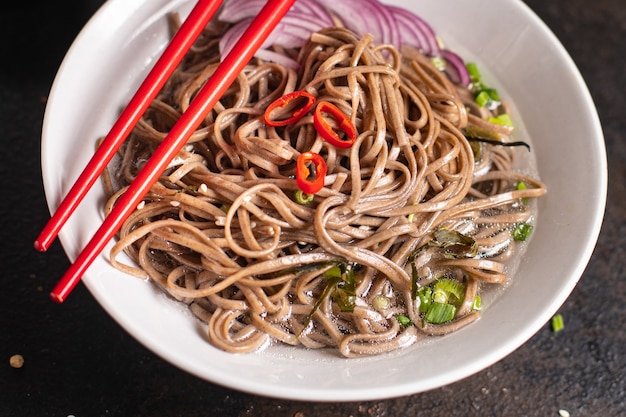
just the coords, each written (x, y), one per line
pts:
(375, 218)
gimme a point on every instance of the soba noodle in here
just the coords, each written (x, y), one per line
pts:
(222, 232)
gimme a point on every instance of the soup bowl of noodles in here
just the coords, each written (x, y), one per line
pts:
(372, 195)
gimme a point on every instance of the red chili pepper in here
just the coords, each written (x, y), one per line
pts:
(310, 172)
(289, 108)
(325, 129)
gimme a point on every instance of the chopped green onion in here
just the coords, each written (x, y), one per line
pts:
(492, 93)
(477, 304)
(521, 185)
(404, 320)
(225, 208)
(439, 313)
(380, 303)
(482, 98)
(522, 232)
(303, 198)
(448, 290)
(425, 295)
(439, 63)
(502, 119)
(557, 323)
(474, 74)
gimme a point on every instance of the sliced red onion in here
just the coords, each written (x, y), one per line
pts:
(358, 16)
(414, 29)
(278, 58)
(388, 24)
(455, 68)
(315, 10)
(234, 11)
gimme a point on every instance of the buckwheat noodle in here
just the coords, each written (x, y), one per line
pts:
(222, 233)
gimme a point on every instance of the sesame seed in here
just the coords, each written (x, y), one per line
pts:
(563, 413)
(141, 205)
(175, 203)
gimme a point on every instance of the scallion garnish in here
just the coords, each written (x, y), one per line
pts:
(477, 304)
(557, 323)
(502, 119)
(440, 300)
(440, 313)
(521, 185)
(474, 74)
(448, 290)
(404, 320)
(482, 98)
(381, 303)
(303, 198)
(425, 295)
(522, 231)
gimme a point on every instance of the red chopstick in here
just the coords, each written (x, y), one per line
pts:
(225, 74)
(189, 31)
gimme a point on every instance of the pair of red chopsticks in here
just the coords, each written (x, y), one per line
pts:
(225, 74)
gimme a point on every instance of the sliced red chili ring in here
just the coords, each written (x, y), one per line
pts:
(326, 130)
(310, 172)
(289, 108)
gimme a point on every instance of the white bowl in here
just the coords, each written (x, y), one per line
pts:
(109, 59)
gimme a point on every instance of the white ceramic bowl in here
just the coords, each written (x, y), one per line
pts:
(109, 59)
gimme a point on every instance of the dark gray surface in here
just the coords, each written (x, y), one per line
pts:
(78, 361)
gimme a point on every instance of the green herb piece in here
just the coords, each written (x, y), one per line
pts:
(502, 119)
(425, 295)
(380, 303)
(482, 98)
(457, 245)
(477, 150)
(404, 320)
(439, 313)
(303, 198)
(447, 290)
(333, 272)
(477, 304)
(438, 62)
(225, 207)
(493, 94)
(557, 323)
(344, 291)
(414, 276)
(471, 132)
(330, 284)
(521, 185)
(474, 74)
(522, 231)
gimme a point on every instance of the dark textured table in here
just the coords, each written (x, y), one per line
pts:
(79, 362)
